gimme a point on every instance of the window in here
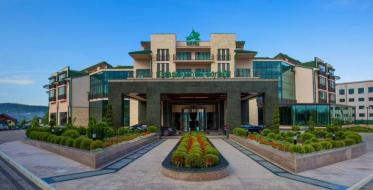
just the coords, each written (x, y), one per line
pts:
(61, 77)
(360, 90)
(223, 55)
(370, 89)
(361, 114)
(341, 91)
(203, 56)
(371, 99)
(242, 72)
(371, 115)
(61, 90)
(322, 68)
(361, 100)
(223, 68)
(342, 100)
(63, 118)
(322, 95)
(143, 73)
(52, 80)
(351, 91)
(322, 82)
(163, 55)
(183, 55)
(361, 107)
(351, 100)
(162, 69)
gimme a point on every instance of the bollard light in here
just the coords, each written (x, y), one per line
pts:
(94, 135)
(295, 139)
(333, 137)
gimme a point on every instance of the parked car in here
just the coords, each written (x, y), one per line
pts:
(140, 127)
(252, 128)
(168, 131)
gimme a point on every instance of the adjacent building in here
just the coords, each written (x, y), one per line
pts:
(359, 95)
(211, 85)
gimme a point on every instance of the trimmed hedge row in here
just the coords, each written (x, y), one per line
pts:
(80, 142)
(194, 151)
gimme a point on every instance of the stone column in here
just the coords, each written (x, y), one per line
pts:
(142, 112)
(116, 101)
(270, 101)
(233, 110)
(153, 108)
(245, 111)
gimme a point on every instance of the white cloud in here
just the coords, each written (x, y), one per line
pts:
(16, 80)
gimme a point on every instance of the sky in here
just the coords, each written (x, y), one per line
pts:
(39, 37)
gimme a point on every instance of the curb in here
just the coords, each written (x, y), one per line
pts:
(36, 180)
(361, 183)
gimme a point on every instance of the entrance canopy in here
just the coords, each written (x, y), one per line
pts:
(157, 96)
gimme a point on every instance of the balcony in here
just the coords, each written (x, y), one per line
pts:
(52, 99)
(224, 57)
(62, 97)
(196, 58)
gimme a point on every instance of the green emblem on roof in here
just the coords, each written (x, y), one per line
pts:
(193, 38)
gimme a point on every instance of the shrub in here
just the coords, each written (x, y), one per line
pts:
(193, 160)
(51, 138)
(96, 144)
(316, 146)
(329, 135)
(308, 148)
(271, 135)
(178, 158)
(354, 136)
(295, 128)
(86, 144)
(123, 130)
(278, 137)
(320, 133)
(63, 140)
(212, 150)
(326, 145)
(82, 130)
(72, 133)
(290, 139)
(290, 134)
(265, 132)
(152, 129)
(78, 141)
(69, 142)
(210, 160)
(108, 132)
(349, 142)
(307, 136)
(239, 132)
(309, 141)
(299, 149)
(58, 139)
(338, 144)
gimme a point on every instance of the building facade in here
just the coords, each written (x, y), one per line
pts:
(360, 96)
(211, 85)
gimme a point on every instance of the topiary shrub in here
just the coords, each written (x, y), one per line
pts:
(265, 132)
(211, 150)
(193, 161)
(349, 141)
(69, 142)
(123, 130)
(96, 144)
(326, 145)
(316, 146)
(86, 144)
(152, 129)
(210, 160)
(239, 132)
(178, 158)
(78, 141)
(72, 133)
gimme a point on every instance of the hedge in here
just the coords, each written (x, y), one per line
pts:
(72, 133)
(239, 132)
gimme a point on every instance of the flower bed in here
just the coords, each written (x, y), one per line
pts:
(194, 158)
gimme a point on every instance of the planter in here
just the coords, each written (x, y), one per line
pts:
(95, 159)
(302, 162)
(218, 171)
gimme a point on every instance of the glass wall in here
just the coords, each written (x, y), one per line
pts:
(99, 82)
(281, 71)
(343, 114)
(98, 109)
(301, 114)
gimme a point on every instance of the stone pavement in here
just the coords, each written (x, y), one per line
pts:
(347, 172)
(144, 173)
(11, 135)
(40, 162)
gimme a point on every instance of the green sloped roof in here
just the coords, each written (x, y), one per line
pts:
(281, 55)
(123, 67)
(244, 51)
(310, 64)
(146, 51)
(97, 64)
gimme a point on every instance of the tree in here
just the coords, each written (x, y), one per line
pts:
(311, 124)
(109, 116)
(46, 118)
(35, 122)
(52, 122)
(276, 119)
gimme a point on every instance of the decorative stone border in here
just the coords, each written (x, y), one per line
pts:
(195, 174)
(302, 162)
(95, 159)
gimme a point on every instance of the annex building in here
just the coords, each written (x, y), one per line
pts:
(193, 83)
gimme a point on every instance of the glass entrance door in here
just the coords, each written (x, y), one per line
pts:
(194, 119)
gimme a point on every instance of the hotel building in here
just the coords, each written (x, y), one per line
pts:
(206, 84)
(358, 95)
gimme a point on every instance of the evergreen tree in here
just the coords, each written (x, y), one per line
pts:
(276, 119)
(35, 122)
(311, 124)
(109, 116)
(46, 118)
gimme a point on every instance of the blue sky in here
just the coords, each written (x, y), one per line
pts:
(40, 37)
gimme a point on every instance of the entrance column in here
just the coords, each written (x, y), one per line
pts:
(142, 112)
(153, 108)
(270, 102)
(233, 110)
(245, 111)
(116, 102)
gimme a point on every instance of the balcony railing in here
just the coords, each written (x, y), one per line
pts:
(51, 99)
(163, 57)
(224, 57)
(62, 97)
(196, 58)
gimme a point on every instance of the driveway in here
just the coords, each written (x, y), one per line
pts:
(11, 135)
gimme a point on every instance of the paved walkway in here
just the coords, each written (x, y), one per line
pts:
(144, 173)
(347, 172)
(11, 135)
